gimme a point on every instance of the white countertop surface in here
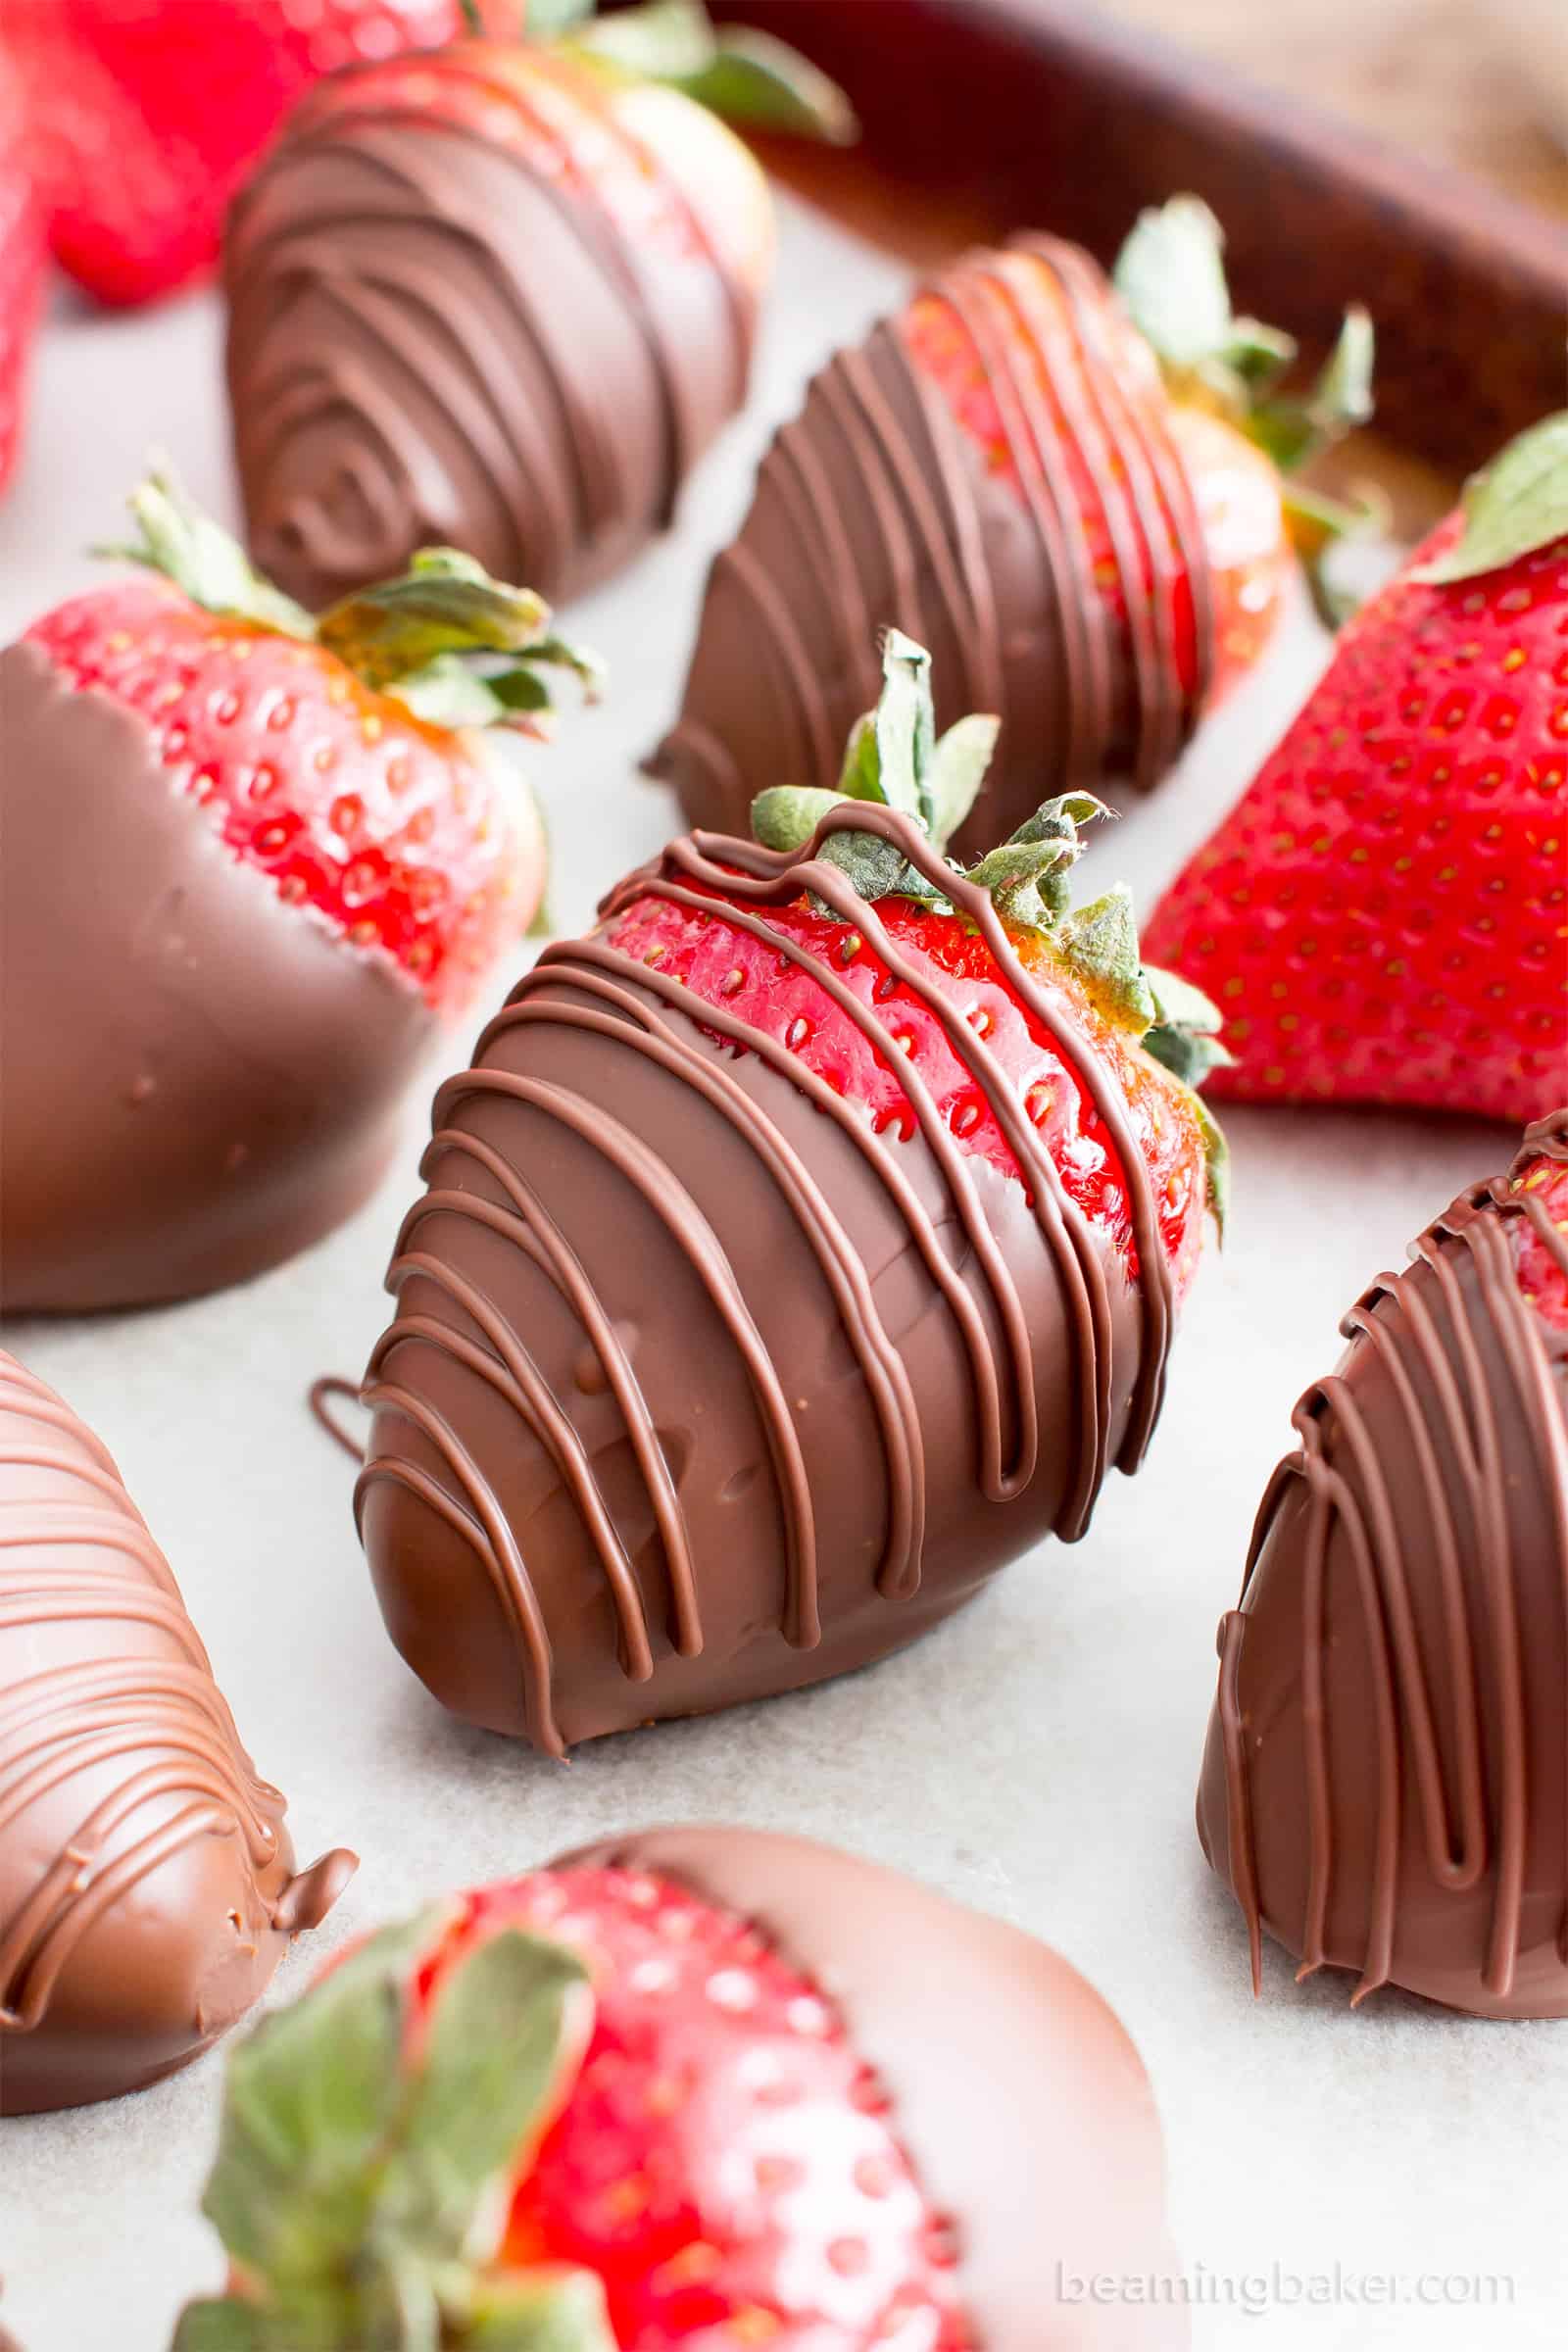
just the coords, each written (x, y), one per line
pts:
(1037, 1756)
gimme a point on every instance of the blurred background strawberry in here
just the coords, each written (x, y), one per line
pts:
(148, 116)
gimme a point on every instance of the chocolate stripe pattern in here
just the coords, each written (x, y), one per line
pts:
(1386, 1785)
(699, 1387)
(887, 504)
(442, 328)
(147, 1888)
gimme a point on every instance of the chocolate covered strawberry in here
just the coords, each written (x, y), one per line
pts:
(1070, 491)
(1385, 1786)
(503, 295)
(693, 2090)
(23, 257)
(250, 860)
(804, 1244)
(1382, 917)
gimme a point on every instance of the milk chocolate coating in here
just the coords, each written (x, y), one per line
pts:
(878, 500)
(147, 1885)
(1386, 1780)
(699, 1388)
(1016, 2094)
(440, 333)
(198, 1080)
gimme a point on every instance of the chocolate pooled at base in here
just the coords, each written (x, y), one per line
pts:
(147, 1885)
(1016, 2091)
(1385, 1784)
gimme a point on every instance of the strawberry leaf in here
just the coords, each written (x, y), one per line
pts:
(905, 720)
(409, 636)
(786, 816)
(860, 777)
(1515, 505)
(228, 2326)
(959, 767)
(756, 79)
(1171, 275)
(1028, 880)
(745, 75)
(363, 2179)
(1100, 942)
(313, 2094)
(563, 2314)
(508, 2024)
(185, 546)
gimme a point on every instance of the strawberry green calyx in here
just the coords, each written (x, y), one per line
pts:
(895, 761)
(457, 648)
(367, 2160)
(745, 75)
(1171, 278)
(1515, 505)
(185, 546)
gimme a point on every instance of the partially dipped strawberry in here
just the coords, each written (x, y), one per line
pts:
(251, 862)
(1382, 917)
(695, 2089)
(1073, 491)
(504, 294)
(23, 253)
(803, 1244)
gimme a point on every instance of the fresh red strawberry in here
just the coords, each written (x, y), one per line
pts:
(23, 256)
(356, 761)
(589, 2104)
(1084, 962)
(152, 116)
(1383, 915)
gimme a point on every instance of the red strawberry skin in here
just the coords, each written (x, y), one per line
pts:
(724, 2161)
(23, 253)
(1539, 1269)
(727, 966)
(151, 116)
(406, 838)
(1382, 916)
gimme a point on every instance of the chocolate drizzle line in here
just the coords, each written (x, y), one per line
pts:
(1457, 1323)
(422, 378)
(608, 993)
(929, 540)
(75, 1553)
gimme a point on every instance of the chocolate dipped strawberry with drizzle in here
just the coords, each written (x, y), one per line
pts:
(692, 2090)
(1073, 491)
(1385, 1786)
(803, 1244)
(505, 293)
(252, 864)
